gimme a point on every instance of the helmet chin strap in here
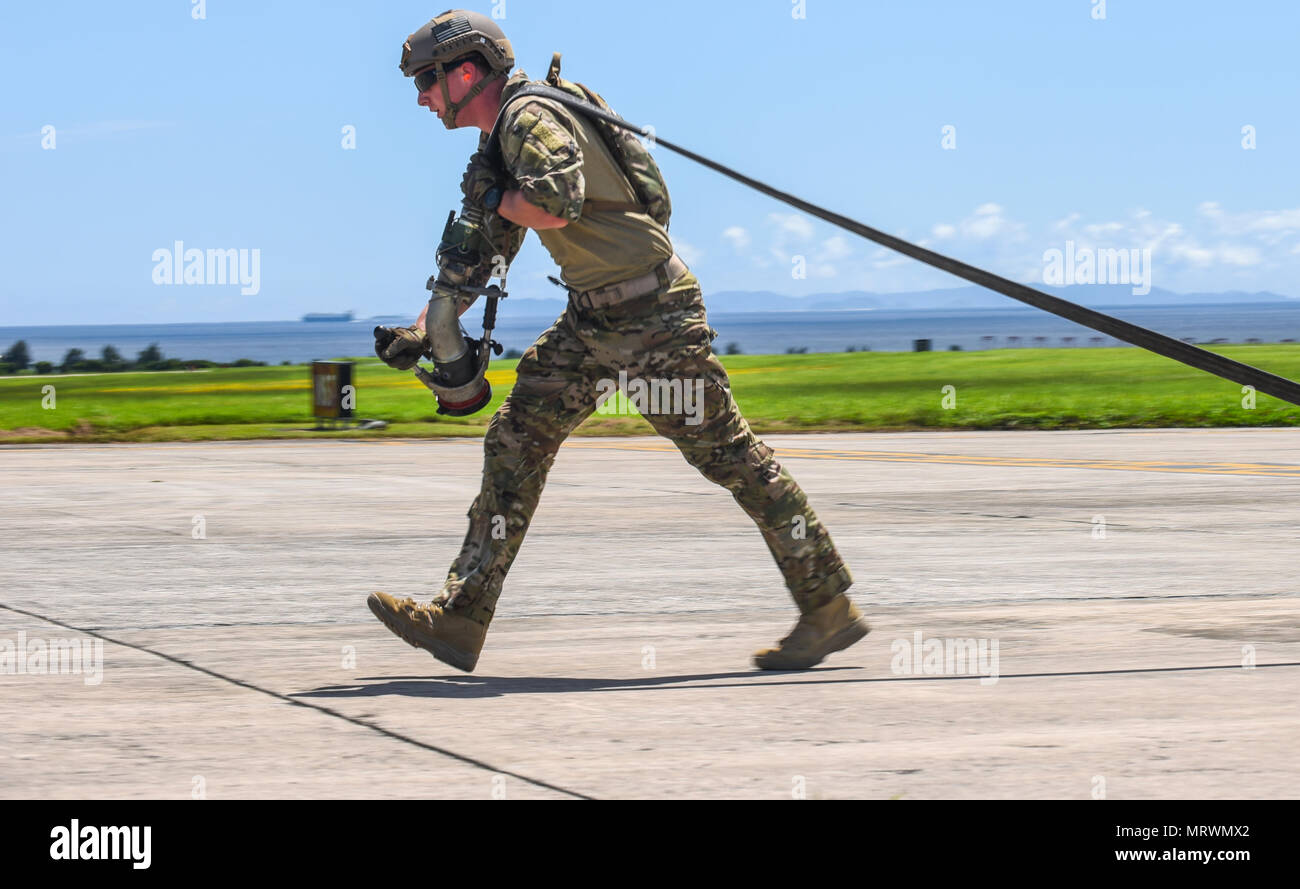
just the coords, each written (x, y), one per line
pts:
(449, 116)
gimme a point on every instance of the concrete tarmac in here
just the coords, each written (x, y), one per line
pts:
(1114, 614)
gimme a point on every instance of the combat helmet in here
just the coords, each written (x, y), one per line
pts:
(456, 33)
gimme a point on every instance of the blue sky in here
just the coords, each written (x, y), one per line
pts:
(226, 132)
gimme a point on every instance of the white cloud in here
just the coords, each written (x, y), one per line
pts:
(1213, 239)
(689, 252)
(988, 221)
(792, 223)
(737, 237)
(1271, 226)
(1234, 255)
(1271, 220)
(985, 223)
(1210, 247)
(1102, 229)
(893, 260)
(1196, 256)
(835, 247)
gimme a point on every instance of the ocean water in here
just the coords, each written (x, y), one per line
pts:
(753, 332)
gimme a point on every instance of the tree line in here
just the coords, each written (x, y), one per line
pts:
(18, 358)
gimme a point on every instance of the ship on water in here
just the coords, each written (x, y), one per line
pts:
(328, 316)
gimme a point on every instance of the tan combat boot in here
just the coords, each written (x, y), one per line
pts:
(450, 638)
(833, 627)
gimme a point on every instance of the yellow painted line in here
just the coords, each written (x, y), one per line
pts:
(473, 438)
(268, 385)
(495, 377)
(731, 372)
(1282, 470)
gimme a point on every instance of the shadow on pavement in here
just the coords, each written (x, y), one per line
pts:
(468, 686)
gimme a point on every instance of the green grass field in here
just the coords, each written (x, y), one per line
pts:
(998, 389)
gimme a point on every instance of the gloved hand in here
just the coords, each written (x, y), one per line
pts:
(483, 183)
(400, 347)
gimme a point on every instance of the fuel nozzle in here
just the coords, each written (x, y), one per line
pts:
(460, 386)
(460, 362)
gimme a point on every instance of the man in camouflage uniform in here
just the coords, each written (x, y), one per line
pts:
(634, 307)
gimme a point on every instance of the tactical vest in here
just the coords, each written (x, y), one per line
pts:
(635, 162)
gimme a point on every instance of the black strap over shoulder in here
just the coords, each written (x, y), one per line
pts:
(493, 146)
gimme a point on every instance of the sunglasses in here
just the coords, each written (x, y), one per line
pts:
(426, 79)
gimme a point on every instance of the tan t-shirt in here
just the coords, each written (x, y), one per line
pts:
(559, 159)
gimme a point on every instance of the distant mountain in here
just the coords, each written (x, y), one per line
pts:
(523, 307)
(768, 301)
(969, 297)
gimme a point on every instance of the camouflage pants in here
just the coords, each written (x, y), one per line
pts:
(661, 336)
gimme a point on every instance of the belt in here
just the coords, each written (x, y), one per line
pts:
(657, 278)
